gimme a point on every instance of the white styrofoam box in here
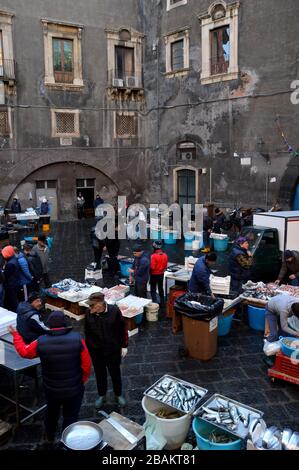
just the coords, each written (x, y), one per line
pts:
(133, 301)
(83, 294)
(190, 263)
(220, 285)
(93, 274)
(7, 319)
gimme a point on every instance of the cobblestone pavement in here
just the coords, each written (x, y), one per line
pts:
(237, 371)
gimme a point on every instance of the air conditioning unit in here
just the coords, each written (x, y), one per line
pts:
(131, 82)
(187, 156)
(118, 82)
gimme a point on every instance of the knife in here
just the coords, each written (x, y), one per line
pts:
(124, 432)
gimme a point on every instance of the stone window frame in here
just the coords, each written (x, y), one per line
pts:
(170, 6)
(126, 137)
(170, 38)
(76, 113)
(136, 42)
(56, 29)
(7, 109)
(7, 38)
(230, 19)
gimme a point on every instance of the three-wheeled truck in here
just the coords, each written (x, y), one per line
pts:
(271, 234)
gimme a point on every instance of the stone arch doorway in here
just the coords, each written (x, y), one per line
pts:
(186, 185)
(60, 182)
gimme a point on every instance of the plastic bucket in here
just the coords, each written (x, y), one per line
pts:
(189, 237)
(151, 311)
(124, 268)
(256, 318)
(221, 245)
(138, 319)
(156, 234)
(170, 237)
(202, 430)
(174, 431)
(224, 324)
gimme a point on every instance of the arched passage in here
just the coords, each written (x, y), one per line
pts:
(60, 182)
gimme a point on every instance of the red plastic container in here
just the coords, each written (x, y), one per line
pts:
(285, 369)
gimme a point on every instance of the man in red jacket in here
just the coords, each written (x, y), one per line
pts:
(159, 262)
(65, 364)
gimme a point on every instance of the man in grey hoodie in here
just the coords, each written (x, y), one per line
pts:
(42, 250)
(281, 307)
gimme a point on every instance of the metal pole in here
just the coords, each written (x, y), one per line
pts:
(211, 179)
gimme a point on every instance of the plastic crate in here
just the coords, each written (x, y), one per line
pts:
(285, 369)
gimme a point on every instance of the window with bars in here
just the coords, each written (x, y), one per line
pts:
(65, 123)
(177, 55)
(125, 125)
(4, 123)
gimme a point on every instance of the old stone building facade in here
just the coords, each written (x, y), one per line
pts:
(158, 100)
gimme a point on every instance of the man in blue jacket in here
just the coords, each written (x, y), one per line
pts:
(26, 277)
(12, 278)
(200, 279)
(30, 322)
(141, 271)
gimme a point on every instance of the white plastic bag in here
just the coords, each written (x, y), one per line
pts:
(153, 435)
(271, 349)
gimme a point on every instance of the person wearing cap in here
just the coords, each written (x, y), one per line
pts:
(44, 207)
(65, 364)
(159, 263)
(289, 273)
(12, 278)
(42, 250)
(218, 220)
(107, 341)
(30, 318)
(240, 263)
(98, 201)
(141, 271)
(16, 206)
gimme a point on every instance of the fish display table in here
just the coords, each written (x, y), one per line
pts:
(16, 365)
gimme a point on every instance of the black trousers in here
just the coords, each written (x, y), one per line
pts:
(100, 364)
(140, 289)
(157, 279)
(70, 412)
(11, 299)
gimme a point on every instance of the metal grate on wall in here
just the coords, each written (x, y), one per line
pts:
(4, 125)
(126, 125)
(65, 123)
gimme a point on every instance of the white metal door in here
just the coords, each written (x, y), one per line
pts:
(51, 195)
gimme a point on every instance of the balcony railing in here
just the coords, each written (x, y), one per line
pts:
(219, 66)
(7, 69)
(122, 79)
(63, 77)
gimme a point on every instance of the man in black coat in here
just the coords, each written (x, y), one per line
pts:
(65, 364)
(107, 341)
(35, 268)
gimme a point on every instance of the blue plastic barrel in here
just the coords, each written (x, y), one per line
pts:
(224, 324)
(220, 245)
(156, 235)
(202, 430)
(169, 237)
(124, 268)
(256, 318)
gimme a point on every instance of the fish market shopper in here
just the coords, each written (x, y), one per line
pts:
(281, 308)
(107, 341)
(159, 262)
(65, 364)
(31, 318)
(141, 271)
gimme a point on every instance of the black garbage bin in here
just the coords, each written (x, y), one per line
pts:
(200, 324)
